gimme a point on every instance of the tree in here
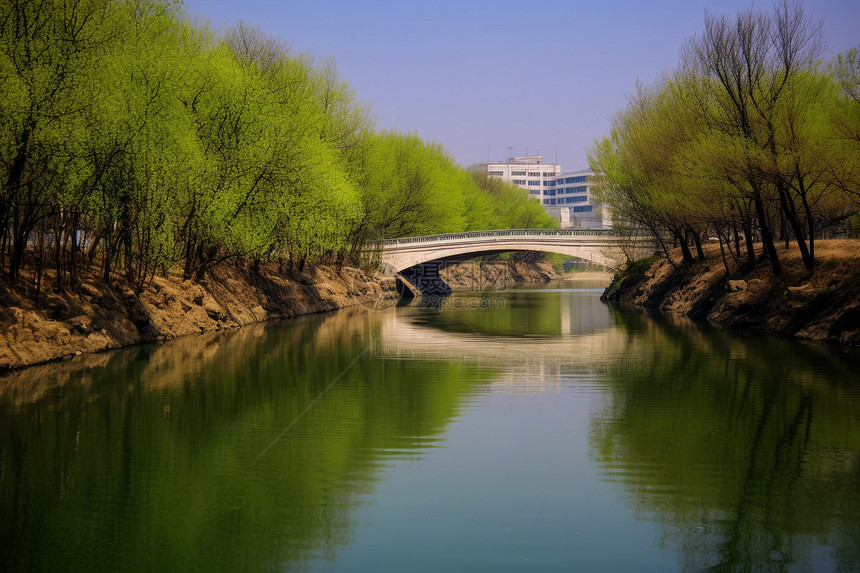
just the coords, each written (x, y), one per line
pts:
(744, 139)
(46, 48)
(754, 62)
(845, 167)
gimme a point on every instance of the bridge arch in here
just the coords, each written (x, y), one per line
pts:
(398, 255)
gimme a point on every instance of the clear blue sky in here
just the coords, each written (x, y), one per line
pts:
(478, 76)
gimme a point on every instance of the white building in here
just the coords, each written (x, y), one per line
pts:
(529, 173)
(565, 197)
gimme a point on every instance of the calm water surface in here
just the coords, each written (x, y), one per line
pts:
(534, 429)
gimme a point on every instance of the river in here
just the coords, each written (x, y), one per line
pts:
(530, 429)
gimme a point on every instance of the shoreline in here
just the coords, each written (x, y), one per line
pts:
(822, 307)
(97, 318)
(589, 275)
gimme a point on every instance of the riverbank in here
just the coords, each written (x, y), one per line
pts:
(819, 307)
(474, 275)
(95, 317)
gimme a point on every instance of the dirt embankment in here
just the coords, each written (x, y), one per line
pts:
(498, 274)
(823, 306)
(94, 317)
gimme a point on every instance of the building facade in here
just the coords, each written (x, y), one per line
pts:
(567, 197)
(529, 173)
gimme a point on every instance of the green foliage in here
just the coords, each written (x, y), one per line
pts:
(555, 259)
(639, 266)
(507, 206)
(137, 142)
(409, 187)
(751, 137)
(631, 274)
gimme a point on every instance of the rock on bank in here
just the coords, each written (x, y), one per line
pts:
(823, 306)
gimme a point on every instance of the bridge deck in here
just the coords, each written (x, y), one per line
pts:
(601, 234)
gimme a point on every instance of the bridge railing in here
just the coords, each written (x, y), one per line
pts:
(605, 234)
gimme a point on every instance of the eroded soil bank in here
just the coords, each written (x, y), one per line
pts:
(498, 274)
(823, 306)
(94, 317)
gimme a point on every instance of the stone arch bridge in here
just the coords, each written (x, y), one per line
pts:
(418, 260)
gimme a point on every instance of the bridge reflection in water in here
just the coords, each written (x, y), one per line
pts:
(567, 336)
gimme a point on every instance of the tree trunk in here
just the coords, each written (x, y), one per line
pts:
(58, 256)
(766, 237)
(723, 254)
(686, 255)
(749, 242)
(737, 241)
(811, 226)
(697, 239)
(40, 247)
(791, 217)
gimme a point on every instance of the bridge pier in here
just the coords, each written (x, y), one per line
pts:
(424, 278)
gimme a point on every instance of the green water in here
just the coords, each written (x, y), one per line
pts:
(531, 429)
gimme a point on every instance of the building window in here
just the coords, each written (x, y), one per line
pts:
(546, 201)
(534, 183)
(497, 173)
(577, 199)
(579, 179)
(582, 209)
(569, 190)
(518, 181)
(518, 173)
(534, 173)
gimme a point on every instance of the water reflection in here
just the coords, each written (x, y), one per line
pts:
(745, 452)
(546, 312)
(240, 452)
(260, 449)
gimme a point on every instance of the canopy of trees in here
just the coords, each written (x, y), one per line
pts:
(133, 142)
(752, 139)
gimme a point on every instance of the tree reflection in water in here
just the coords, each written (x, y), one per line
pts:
(150, 458)
(744, 450)
(255, 450)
